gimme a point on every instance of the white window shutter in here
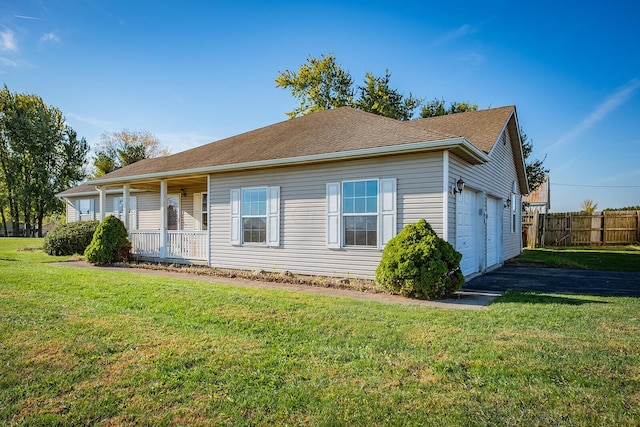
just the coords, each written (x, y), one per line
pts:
(92, 208)
(273, 216)
(235, 217)
(197, 211)
(388, 211)
(333, 215)
(133, 212)
(76, 205)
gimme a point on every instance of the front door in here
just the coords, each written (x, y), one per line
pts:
(173, 212)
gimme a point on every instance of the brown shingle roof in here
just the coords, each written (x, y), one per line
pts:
(332, 131)
(482, 128)
(341, 130)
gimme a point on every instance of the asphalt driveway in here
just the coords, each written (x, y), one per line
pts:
(557, 280)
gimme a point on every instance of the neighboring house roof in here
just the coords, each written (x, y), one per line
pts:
(541, 196)
(327, 135)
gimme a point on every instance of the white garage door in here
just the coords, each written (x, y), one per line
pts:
(466, 231)
(493, 236)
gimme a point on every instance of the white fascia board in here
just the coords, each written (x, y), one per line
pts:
(94, 193)
(426, 146)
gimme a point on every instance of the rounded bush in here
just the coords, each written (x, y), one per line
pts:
(417, 263)
(110, 243)
(69, 239)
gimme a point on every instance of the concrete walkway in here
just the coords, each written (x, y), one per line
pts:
(558, 280)
(465, 299)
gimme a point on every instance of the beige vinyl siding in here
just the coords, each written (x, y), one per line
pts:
(72, 213)
(495, 179)
(148, 205)
(303, 215)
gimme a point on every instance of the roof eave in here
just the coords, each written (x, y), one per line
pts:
(461, 146)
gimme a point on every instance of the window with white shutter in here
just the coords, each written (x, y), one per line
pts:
(361, 213)
(255, 216)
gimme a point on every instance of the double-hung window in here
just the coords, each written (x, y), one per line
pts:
(361, 213)
(85, 209)
(255, 216)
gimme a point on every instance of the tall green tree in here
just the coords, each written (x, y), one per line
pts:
(320, 84)
(40, 156)
(536, 172)
(120, 149)
(377, 97)
(437, 108)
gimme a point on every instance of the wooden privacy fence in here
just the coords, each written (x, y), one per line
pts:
(580, 228)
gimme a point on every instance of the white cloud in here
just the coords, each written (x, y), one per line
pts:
(8, 41)
(103, 124)
(8, 62)
(177, 142)
(33, 18)
(453, 35)
(612, 102)
(472, 58)
(50, 37)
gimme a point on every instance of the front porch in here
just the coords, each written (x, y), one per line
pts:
(167, 219)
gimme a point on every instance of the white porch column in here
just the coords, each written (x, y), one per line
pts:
(102, 202)
(125, 206)
(163, 218)
(445, 195)
(208, 221)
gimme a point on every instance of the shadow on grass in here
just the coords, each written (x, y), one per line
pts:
(535, 298)
(589, 259)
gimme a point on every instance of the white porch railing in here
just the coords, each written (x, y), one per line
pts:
(187, 245)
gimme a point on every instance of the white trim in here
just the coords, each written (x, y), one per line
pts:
(334, 215)
(208, 221)
(273, 216)
(126, 208)
(103, 203)
(447, 144)
(235, 195)
(387, 210)
(163, 218)
(445, 195)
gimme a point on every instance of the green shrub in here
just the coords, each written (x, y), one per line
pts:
(417, 263)
(110, 243)
(69, 239)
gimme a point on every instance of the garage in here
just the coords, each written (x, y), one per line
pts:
(467, 231)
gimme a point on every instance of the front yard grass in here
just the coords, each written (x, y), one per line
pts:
(85, 347)
(622, 258)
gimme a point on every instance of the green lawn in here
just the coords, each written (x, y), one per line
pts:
(624, 258)
(85, 347)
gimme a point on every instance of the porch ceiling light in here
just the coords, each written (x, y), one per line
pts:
(458, 187)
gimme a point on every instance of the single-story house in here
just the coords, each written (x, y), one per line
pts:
(322, 194)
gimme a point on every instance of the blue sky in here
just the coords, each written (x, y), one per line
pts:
(195, 72)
